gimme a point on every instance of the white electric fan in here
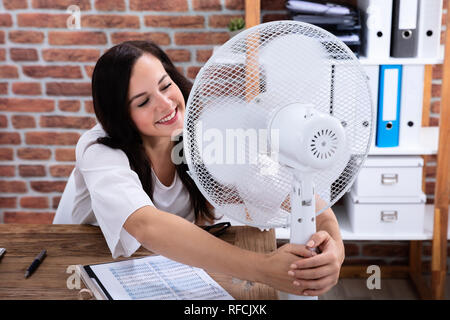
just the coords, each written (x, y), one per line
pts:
(277, 125)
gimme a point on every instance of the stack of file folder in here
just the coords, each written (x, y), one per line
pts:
(341, 20)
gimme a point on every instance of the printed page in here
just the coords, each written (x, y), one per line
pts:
(157, 278)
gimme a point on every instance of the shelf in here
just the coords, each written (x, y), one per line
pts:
(400, 61)
(427, 145)
(348, 234)
(403, 61)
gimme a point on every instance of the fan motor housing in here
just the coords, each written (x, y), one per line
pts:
(308, 139)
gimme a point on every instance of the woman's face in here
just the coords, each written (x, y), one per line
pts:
(155, 101)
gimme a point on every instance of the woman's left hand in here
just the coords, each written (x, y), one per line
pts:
(317, 274)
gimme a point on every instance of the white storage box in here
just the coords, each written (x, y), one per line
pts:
(391, 176)
(372, 215)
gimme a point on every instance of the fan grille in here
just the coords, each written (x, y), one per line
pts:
(243, 83)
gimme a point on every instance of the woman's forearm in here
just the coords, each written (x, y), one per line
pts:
(180, 240)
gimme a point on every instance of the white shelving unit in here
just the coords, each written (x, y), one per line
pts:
(427, 145)
(348, 234)
(404, 61)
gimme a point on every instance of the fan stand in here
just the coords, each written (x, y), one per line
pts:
(303, 218)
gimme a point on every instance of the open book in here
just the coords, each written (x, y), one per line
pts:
(150, 278)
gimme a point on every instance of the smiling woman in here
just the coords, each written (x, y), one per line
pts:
(146, 89)
(127, 183)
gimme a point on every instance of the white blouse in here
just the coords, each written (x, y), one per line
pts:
(108, 191)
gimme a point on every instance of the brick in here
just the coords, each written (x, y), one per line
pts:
(68, 89)
(275, 17)
(2, 54)
(430, 158)
(69, 72)
(204, 55)
(235, 4)
(19, 54)
(52, 138)
(22, 122)
(2, 36)
(430, 187)
(89, 70)
(34, 153)
(201, 38)
(89, 107)
(60, 4)
(67, 122)
(179, 55)
(15, 4)
(28, 217)
(13, 186)
(34, 202)
(160, 38)
(110, 21)
(48, 186)
(8, 72)
(7, 171)
(159, 5)
(192, 72)
(26, 105)
(42, 20)
(3, 88)
(436, 107)
(434, 122)
(3, 121)
(5, 20)
(61, 170)
(387, 250)
(65, 154)
(69, 105)
(366, 261)
(175, 21)
(27, 88)
(9, 138)
(6, 154)
(272, 5)
(24, 36)
(55, 202)
(8, 202)
(206, 5)
(32, 171)
(430, 171)
(110, 5)
(437, 71)
(75, 55)
(351, 249)
(63, 38)
(222, 21)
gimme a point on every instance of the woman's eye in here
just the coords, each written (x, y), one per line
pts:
(167, 86)
(143, 103)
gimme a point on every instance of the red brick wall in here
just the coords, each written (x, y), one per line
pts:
(45, 95)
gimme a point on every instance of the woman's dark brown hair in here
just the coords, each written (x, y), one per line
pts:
(110, 83)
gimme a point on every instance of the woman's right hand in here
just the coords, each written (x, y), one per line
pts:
(277, 264)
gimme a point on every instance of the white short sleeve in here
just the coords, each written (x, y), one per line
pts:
(115, 191)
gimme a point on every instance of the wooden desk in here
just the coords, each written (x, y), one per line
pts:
(82, 244)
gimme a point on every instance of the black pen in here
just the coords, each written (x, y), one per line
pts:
(37, 261)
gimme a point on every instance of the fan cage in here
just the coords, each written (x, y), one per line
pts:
(241, 74)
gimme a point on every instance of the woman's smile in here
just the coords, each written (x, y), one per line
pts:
(169, 119)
